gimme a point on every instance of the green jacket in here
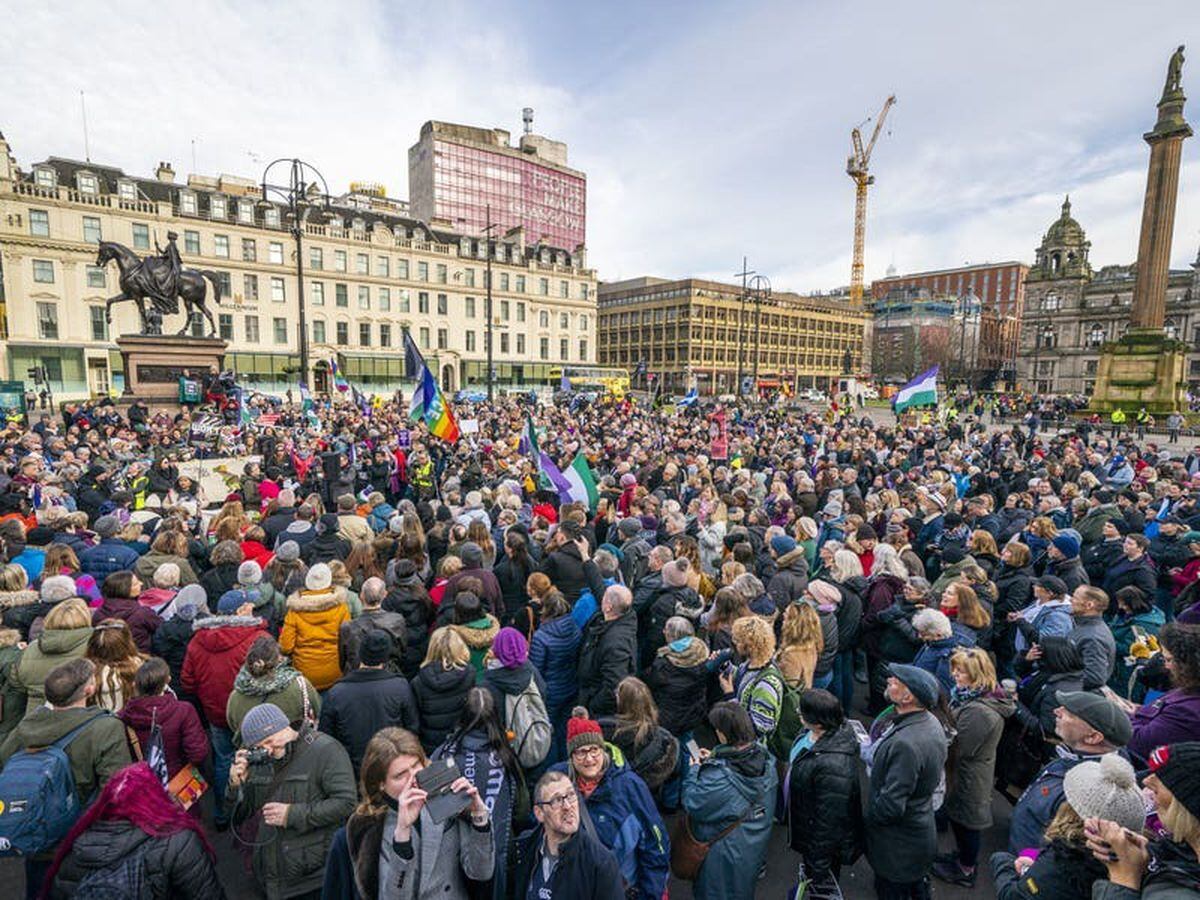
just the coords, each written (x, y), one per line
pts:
(96, 753)
(316, 780)
(12, 695)
(51, 649)
(281, 687)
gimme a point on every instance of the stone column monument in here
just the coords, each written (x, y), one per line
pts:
(1144, 367)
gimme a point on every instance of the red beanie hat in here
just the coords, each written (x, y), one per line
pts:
(582, 731)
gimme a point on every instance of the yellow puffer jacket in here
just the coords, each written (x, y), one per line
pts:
(310, 633)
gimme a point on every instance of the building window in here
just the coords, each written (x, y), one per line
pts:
(141, 236)
(225, 326)
(504, 281)
(246, 212)
(422, 271)
(469, 307)
(364, 334)
(317, 292)
(318, 334)
(520, 345)
(364, 297)
(405, 301)
(504, 310)
(339, 260)
(191, 243)
(95, 277)
(385, 335)
(271, 217)
(383, 267)
(250, 288)
(251, 329)
(1096, 335)
(47, 318)
(99, 323)
(343, 333)
(278, 291)
(39, 223)
(443, 305)
(470, 342)
(544, 348)
(45, 178)
(279, 326)
(91, 230)
(1171, 329)
(584, 290)
(520, 312)
(225, 283)
(362, 264)
(187, 203)
(564, 321)
(423, 302)
(1051, 302)
(544, 286)
(543, 319)
(441, 273)
(583, 351)
(249, 250)
(469, 277)
(443, 339)
(564, 349)
(88, 184)
(424, 335)
(43, 271)
(385, 299)
(520, 284)
(218, 209)
(221, 246)
(504, 342)
(275, 253)
(341, 296)
(402, 269)
(564, 289)
(316, 258)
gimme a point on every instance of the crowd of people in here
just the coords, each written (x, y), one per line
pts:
(377, 665)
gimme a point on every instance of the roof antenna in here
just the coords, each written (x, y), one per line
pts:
(87, 153)
(193, 154)
(527, 117)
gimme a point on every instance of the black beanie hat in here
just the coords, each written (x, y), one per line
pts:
(1178, 768)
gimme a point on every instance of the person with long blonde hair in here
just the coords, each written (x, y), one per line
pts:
(800, 645)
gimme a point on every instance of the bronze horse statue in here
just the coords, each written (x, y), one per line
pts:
(141, 280)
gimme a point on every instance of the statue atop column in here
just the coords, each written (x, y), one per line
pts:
(1174, 83)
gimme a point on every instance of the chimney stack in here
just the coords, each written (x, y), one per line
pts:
(165, 173)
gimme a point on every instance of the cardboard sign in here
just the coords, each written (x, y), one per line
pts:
(469, 426)
(404, 438)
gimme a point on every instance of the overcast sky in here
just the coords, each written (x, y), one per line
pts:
(707, 130)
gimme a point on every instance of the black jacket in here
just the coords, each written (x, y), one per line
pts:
(1070, 571)
(608, 653)
(417, 614)
(513, 596)
(351, 633)
(678, 681)
(274, 525)
(440, 694)
(564, 568)
(1014, 589)
(668, 602)
(850, 611)
(824, 805)
(1061, 872)
(170, 642)
(1100, 557)
(586, 870)
(217, 580)
(175, 866)
(325, 548)
(363, 701)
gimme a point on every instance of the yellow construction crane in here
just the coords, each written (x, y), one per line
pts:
(856, 168)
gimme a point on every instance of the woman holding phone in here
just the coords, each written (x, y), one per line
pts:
(392, 848)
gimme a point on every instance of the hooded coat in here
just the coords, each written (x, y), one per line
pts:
(184, 739)
(978, 724)
(283, 686)
(142, 620)
(361, 703)
(790, 579)
(310, 633)
(440, 694)
(46, 652)
(554, 652)
(418, 613)
(213, 659)
(731, 784)
(607, 654)
(478, 637)
(678, 680)
(504, 682)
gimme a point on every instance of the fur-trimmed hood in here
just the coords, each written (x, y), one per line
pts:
(788, 560)
(227, 622)
(316, 601)
(9, 599)
(478, 635)
(9, 637)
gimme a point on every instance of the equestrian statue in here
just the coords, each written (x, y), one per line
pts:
(163, 281)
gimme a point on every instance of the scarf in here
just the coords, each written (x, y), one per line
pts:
(962, 696)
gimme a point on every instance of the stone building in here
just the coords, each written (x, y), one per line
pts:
(1071, 310)
(371, 272)
(688, 334)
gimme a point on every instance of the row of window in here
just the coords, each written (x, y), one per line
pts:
(39, 226)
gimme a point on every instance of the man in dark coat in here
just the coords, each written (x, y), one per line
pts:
(909, 758)
(608, 652)
(373, 617)
(1065, 562)
(791, 575)
(471, 555)
(110, 555)
(559, 858)
(368, 698)
(276, 523)
(564, 564)
(1134, 568)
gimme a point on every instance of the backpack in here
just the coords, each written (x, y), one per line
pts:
(38, 799)
(529, 725)
(123, 880)
(788, 725)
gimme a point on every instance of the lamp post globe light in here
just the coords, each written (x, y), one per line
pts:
(304, 191)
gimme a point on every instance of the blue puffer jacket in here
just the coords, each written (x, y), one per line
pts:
(934, 657)
(380, 516)
(628, 824)
(554, 651)
(110, 555)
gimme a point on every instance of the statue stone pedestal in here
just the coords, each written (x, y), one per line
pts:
(1144, 368)
(153, 364)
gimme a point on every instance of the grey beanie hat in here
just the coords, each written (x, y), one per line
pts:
(191, 602)
(288, 551)
(261, 722)
(107, 526)
(249, 572)
(1106, 789)
(57, 588)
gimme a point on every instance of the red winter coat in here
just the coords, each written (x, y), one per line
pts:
(253, 550)
(184, 740)
(214, 656)
(142, 620)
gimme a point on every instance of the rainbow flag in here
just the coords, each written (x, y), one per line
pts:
(428, 403)
(338, 381)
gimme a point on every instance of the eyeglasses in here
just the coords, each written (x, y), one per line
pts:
(588, 751)
(559, 802)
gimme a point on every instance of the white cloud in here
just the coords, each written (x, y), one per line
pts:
(721, 131)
